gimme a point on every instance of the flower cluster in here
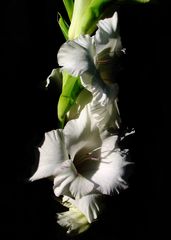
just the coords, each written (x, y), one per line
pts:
(84, 157)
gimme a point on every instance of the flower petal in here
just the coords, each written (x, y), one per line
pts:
(90, 205)
(76, 57)
(68, 182)
(107, 36)
(79, 133)
(81, 187)
(52, 153)
(64, 175)
(111, 168)
(104, 107)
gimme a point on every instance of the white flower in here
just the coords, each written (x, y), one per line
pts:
(95, 59)
(73, 220)
(84, 164)
(84, 159)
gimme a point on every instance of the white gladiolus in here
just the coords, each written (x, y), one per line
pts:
(84, 159)
(95, 60)
(83, 164)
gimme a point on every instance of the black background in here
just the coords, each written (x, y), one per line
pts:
(30, 41)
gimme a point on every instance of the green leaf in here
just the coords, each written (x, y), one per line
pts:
(134, 1)
(142, 1)
(63, 25)
(70, 91)
(69, 5)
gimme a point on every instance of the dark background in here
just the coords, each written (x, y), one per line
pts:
(30, 41)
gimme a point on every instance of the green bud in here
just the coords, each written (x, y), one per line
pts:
(85, 16)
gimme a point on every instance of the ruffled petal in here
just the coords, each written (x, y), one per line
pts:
(76, 57)
(108, 176)
(90, 205)
(52, 153)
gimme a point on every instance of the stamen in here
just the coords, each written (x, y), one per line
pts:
(117, 125)
(123, 50)
(47, 82)
(79, 109)
(116, 104)
(94, 158)
(103, 61)
(117, 190)
(94, 150)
